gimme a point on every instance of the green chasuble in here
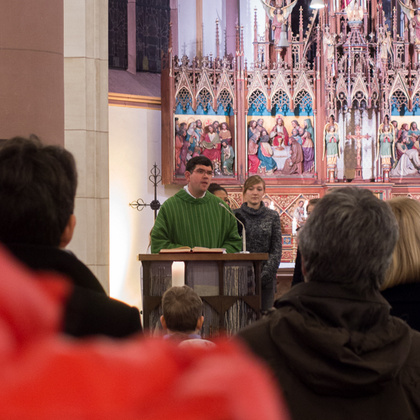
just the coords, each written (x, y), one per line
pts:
(187, 221)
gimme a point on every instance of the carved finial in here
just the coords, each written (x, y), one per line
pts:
(170, 36)
(300, 23)
(237, 40)
(217, 39)
(184, 60)
(354, 13)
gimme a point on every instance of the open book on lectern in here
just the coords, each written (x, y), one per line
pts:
(196, 249)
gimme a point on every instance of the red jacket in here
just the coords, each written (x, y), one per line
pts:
(45, 375)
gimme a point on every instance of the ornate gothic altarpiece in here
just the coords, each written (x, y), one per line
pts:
(336, 103)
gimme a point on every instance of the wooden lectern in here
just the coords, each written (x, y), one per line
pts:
(232, 301)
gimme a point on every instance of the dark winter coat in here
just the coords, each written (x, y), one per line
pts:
(340, 356)
(88, 310)
(405, 303)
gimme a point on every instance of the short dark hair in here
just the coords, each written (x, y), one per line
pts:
(182, 308)
(349, 239)
(213, 187)
(37, 191)
(198, 160)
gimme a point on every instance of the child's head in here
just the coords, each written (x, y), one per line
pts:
(182, 310)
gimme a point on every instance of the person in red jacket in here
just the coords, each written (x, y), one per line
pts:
(45, 375)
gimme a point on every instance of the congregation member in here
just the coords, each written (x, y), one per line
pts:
(332, 343)
(194, 217)
(263, 234)
(37, 197)
(402, 283)
(183, 316)
(297, 272)
(46, 376)
(220, 192)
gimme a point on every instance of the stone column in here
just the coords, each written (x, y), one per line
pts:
(86, 127)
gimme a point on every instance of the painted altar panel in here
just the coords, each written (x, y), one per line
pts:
(281, 146)
(353, 63)
(208, 136)
(405, 159)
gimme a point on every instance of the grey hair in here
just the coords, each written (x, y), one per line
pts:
(349, 238)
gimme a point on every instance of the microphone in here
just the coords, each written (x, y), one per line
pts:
(244, 251)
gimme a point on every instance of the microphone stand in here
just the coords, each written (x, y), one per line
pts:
(244, 251)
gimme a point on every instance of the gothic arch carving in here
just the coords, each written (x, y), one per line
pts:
(257, 83)
(304, 84)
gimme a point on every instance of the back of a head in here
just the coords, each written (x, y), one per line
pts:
(349, 238)
(182, 308)
(37, 191)
(405, 265)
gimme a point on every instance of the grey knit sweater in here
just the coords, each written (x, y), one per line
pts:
(263, 234)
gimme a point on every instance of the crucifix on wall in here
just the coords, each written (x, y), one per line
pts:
(358, 137)
(155, 178)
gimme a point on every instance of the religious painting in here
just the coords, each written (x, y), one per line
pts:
(404, 137)
(281, 146)
(211, 137)
(359, 147)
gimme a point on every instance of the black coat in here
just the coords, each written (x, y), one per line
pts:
(297, 272)
(340, 356)
(88, 310)
(38, 257)
(405, 303)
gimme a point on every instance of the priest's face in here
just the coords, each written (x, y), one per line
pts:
(199, 180)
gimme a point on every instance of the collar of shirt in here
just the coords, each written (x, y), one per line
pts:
(188, 191)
